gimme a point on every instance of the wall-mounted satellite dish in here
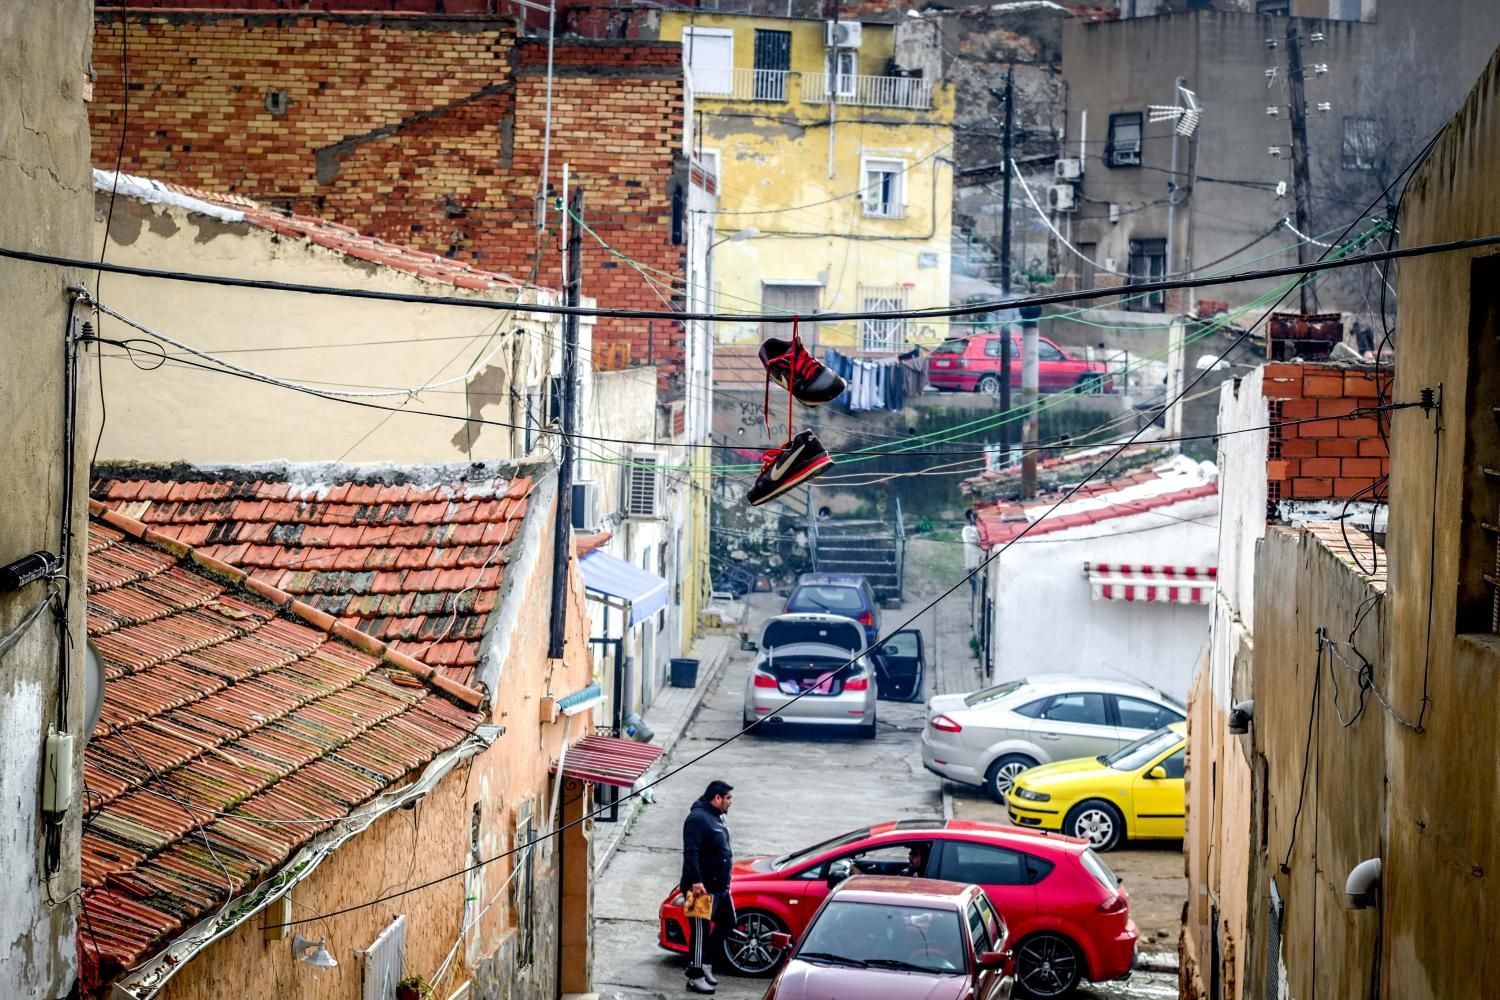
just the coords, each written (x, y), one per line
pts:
(93, 690)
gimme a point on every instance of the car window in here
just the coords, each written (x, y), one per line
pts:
(979, 932)
(1049, 352)
(1138, 714)
(1176, 764)
(904, 643)
(992, 346)
(917, 936)
(1142, 751)
(1096, 867)
(807, 854)
(1037, 869)
(1032, 709)
(812, 597)
(890, 859)
(991, 693)
(1087, 709)
(982, 864)
(953, 345)
(992, 921)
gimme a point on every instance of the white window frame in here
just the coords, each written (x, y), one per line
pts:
(689, 35)
(844, 80)
(895, 207)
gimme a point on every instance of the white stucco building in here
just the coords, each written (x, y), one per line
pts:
(1117, 581)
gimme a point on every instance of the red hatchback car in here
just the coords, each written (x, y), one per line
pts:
(973, 364)
(899, 939)
(1068, 915)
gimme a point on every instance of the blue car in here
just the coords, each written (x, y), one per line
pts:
(843, 594)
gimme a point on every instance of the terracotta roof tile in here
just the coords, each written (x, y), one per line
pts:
(413, 564)
(1130, 494)
(222, 715)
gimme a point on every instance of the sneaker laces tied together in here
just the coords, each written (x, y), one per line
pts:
(798, 355)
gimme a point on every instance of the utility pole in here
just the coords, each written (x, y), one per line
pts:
(562, 542)
(1005, 206)
(1029, 386)
(1301, 184)
(1006, 435)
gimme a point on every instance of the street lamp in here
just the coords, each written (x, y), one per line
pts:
(748, 233)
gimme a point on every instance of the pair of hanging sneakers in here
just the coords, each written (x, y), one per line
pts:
(810, 382)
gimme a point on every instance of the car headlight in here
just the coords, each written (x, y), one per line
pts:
(1030, 796)
(678, 900)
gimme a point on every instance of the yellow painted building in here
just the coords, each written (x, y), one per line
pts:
(835, 151)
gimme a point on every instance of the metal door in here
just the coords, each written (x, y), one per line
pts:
(773, 58)
(794, 300)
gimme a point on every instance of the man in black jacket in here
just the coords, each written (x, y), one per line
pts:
(707, 857)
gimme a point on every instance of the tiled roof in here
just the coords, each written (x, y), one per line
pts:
(416, 564)
(1074, 463)
(229, 709)
(314, 230)
(1125, 496)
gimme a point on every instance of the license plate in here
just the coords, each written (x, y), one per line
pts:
(941, 364)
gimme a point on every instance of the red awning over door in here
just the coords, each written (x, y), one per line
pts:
(608, 760)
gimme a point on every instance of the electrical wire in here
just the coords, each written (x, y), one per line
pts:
(971, 309)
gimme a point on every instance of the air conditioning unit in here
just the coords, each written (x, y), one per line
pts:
(1062, 198)
(844, 34)
(588, 506)
(1068, 169)
(643, 485)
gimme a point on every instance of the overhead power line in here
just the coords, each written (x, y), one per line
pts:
(973, 309)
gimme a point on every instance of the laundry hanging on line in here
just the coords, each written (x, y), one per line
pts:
(882, 383)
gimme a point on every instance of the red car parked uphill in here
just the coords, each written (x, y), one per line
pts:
(973, 364)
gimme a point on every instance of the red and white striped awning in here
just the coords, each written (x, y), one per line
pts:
(1156, 584)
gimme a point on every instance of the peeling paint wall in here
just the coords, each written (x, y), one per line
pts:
(181, 413)
(778, 174)
(44, 174)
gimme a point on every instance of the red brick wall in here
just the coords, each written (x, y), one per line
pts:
(421, 130)
(1317, 451)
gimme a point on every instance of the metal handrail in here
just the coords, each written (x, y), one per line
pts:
(910, 92)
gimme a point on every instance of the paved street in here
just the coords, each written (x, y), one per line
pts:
(791, 789)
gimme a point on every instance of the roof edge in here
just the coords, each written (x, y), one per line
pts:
(286, 603)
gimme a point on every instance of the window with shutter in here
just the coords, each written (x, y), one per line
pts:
(643, 484)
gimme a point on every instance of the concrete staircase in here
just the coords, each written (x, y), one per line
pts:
(871, 549)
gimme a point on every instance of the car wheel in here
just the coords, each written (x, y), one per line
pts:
(748, 950)
(1002, 775)
(1098, 822)
(989, 385)
(869, 732)
(1087, 383)
(746, 722)
(1048, 965)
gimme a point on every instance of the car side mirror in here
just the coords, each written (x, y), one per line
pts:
(993, 959)
(780, 941)
(838, 871)
(1157, 773)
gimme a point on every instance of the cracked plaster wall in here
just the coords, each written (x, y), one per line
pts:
(44, 172)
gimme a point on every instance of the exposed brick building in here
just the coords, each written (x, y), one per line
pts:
(421, 128)
(1317, 450)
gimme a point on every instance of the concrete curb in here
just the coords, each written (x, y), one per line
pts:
(707, 679)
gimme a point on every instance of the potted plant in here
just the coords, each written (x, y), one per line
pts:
(413, 988)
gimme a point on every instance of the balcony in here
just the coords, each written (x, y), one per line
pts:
(912, 93)
(741, 84)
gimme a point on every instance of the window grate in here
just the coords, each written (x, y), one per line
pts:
(883, 335)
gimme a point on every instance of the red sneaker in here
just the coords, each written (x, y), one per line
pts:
(788, 364)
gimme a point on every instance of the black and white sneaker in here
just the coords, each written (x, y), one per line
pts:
(790, 366)
(699, 986)
(794, 463)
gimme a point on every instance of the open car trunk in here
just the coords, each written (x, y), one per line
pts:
(815, 674)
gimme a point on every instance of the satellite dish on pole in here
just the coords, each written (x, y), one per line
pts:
(93, 690)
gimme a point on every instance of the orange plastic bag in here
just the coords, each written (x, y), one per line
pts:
(698, 906)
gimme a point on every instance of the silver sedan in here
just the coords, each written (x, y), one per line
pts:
(799, 675)
(988, 737)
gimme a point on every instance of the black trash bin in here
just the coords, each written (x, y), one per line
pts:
(684, 672)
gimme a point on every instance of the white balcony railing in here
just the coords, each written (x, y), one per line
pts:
(870, 91)
(741, 84)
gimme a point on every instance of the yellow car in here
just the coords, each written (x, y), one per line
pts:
(1134, 792)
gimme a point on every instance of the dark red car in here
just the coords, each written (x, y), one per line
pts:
(973, 364)
(1068, 915)
(899, 939)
